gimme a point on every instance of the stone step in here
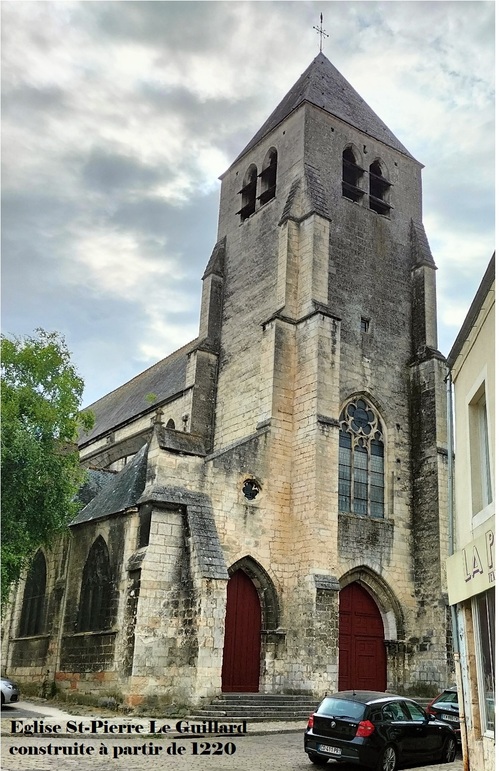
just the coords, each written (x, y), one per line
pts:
(264, 707)
(262, 717)
(252, 709)
(264, 699)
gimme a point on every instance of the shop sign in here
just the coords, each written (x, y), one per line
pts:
(471, 569)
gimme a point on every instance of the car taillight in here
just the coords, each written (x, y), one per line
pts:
(430, 711)
(310, 722)
(365, 728)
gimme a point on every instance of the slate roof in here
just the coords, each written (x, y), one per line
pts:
(477, 303)
(323, 86)
(178, 441)
(164, 379)
(421, 251)
(122, 491)
(95, 480)
(315, 192)
(216, 262)
(202, 528)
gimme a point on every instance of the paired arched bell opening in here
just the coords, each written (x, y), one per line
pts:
(252, 607)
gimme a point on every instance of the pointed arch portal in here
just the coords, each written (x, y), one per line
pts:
(241, 656)
(362, 654)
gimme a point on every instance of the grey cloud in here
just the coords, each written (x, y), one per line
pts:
(180, 26)
(190, 229)
(30, 103)
(105, 170)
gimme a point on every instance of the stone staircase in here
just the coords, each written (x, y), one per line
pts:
(264, 707)
(257, 707)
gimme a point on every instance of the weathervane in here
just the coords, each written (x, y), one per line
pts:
(321, 32)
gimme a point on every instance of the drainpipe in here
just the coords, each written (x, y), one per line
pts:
(451, 545)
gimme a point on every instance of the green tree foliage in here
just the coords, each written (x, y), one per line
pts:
(41, 394)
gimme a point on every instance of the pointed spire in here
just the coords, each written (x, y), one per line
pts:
(323, 86)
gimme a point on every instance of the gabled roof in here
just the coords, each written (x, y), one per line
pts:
(323, 86)
(122, 491)
(163, 380)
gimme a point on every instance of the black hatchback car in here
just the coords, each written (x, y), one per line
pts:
(445, 707)
(377, 730)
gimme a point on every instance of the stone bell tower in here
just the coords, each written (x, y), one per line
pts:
(276, 520)
(331, 386)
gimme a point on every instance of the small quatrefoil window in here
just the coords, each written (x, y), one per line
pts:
(250, 489)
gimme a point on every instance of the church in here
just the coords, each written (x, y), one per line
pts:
(265, 509)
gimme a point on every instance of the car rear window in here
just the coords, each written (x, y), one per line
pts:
(341, 708)
(448, 696)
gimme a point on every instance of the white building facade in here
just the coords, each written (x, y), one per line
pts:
(471, 567)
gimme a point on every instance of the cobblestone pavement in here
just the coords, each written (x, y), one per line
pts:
(272, 746)
(269, 752)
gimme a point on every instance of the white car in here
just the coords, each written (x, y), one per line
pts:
(10, 691)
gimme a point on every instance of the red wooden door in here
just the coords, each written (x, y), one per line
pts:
(362, 656)
(241, 657)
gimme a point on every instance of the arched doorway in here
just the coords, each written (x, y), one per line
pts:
(241, 656)
(362, 655)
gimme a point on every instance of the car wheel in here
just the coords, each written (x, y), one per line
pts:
(318, 760)
(3, 699)
(449, 750)
(388, 759)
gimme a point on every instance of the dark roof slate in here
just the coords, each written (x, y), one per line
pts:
(217, 258)
(323, 86)
(181, 442)
(122, 491)
(164, 380)
(95, 480)
(204, 536)
(420, 249)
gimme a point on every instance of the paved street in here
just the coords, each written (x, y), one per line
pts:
(270, 752)
(280, 750)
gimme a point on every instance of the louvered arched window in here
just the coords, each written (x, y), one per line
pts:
(248, 193)
(33, 609)
(379, 189)
(361, 460)
(97, 590)
(268, 176)
(352, 175)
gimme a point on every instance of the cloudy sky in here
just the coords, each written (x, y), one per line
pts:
(119, 117)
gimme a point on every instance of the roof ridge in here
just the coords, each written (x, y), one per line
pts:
(185, 347)
(323, 85)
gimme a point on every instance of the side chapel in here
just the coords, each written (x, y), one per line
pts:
(276, 519)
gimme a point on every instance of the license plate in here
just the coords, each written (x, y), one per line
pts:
(330, 750)
(450, 718)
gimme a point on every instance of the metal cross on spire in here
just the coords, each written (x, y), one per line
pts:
(321, 32)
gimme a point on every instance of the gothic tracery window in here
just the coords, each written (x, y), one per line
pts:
(97, 590)
(361, 460)
(33, 609)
